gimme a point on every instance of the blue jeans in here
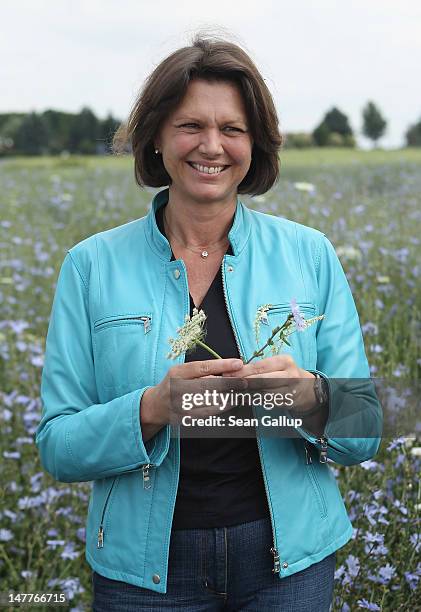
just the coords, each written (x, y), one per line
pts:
(224, 568)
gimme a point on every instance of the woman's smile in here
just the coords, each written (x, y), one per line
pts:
(206, 170)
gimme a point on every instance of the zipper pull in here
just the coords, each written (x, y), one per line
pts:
(323, 450)
(146, 477)
(308, 455)
(100, 537)
(276, 561)
(146, 324)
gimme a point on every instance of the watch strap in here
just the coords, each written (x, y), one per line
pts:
(322, 396)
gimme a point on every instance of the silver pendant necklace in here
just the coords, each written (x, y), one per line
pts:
(204, 253)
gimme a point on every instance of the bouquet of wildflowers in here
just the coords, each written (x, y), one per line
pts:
(193, 332)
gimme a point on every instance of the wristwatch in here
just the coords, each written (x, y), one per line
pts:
(321, 391)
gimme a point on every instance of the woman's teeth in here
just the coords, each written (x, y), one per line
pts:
(207, 169)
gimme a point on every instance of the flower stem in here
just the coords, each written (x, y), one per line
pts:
(256, 354)
(207, 348)
(9, 563)
(283, 331)
(261, 351)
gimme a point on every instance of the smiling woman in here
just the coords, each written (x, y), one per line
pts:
(238, 523)
(250, 114)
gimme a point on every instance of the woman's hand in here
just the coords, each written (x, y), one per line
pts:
(159, 403)
(279, 374)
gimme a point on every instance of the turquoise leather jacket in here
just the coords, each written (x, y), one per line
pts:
(118, 300)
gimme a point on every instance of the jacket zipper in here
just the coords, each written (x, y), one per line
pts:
(146, 485)
(273, 550)
(146, 322)
(146, 476)
(100, 543)
(323, 451)
(308, 455)
(309, 461)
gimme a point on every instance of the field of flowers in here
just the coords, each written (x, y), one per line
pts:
(368, 204)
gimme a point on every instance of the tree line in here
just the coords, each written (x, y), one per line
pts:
(53, 132)
(335, 131)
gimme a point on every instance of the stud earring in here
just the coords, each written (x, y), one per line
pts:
(156, 151)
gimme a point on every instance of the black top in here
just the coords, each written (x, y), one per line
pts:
(221, 481)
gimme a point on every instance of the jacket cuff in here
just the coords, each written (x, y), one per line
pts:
(320, 442)
(367, 417)
(156, 448)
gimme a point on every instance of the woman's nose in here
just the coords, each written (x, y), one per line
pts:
(211, 143)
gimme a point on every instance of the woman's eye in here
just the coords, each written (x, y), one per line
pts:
(235, 129)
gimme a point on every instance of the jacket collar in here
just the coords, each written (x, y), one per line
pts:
(238, 234)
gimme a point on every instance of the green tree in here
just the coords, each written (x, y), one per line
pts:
(9, 119)
(10, 124)
(58, 125)
(336, 122)
(321, 135)
(84, 132)
(374, 124)
(298, 140)
(31, 137)
(413, 135)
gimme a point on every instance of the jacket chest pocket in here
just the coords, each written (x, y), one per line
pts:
(120, 347)
(302, 343)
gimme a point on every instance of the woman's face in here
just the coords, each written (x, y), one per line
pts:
(208, 130)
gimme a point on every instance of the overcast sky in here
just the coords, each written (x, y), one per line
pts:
(65, 54)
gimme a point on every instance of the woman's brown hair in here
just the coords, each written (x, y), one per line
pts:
(210, 59)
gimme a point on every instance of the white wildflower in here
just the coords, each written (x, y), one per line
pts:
(261, 317)
(416, 451)
(308, 322)
(348, 252)
(410, 441)
(189, 334)
(275, 348)
(304, 187)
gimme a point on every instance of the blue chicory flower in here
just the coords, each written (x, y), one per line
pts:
(412, 580)
(5, 535)
(353, 564)
(299, 320)
(415, 540)
(363, 603)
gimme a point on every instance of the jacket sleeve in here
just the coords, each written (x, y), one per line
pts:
(353, 429)
(80, 439)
